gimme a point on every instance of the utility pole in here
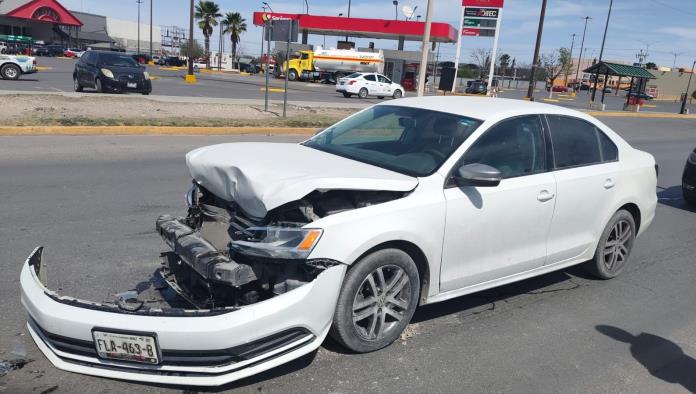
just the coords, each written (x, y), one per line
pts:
(424, 50)
(396, 11)
(535, 59)
(572, 43)
(491, 72)
(139, 2)
(641, 56)
(601, 53)
(688, 86)
(675, 54)
(190, 78)
(582, 44)
(151, 29)
(220, 49)
(348, 16)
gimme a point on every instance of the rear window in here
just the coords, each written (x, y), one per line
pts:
(579, 143)
(354, 75)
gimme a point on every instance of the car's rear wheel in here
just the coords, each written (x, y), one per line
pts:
(98, 86)
(76, 85)
(10, 71)
(346, 94)
(377, 301)
(363, 93)
(614, 246)
(397, 94)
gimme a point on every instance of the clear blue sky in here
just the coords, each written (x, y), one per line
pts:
(663, 26)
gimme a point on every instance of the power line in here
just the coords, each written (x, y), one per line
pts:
(673, 7)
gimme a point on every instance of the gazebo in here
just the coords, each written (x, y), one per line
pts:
(619, 70)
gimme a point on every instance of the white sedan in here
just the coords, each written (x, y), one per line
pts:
(347, 233)
(369, 84)
(12, 67)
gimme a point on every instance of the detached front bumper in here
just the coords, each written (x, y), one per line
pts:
(197, 348)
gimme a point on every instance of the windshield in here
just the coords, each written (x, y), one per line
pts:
(411, 141)
(114, 59)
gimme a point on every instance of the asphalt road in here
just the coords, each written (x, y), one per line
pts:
(57, 77)
(92, 202)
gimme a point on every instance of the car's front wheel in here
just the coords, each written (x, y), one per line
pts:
(614, 246)
(377, 301)
(76, 85)
(397, 94)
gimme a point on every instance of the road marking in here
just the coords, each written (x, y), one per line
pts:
(274, 90)
(566, 99)
(56, 89)
(551, 100)
(43, 68)
(649, 105)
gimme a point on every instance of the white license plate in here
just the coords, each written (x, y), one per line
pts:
(126, 347)
(132, 85)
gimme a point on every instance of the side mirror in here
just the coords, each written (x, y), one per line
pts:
(476, 174)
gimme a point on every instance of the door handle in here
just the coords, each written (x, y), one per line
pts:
(609, 183)
(544, 196)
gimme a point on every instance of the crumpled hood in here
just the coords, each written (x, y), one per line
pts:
(261, 176)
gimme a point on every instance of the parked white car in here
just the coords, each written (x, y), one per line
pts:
(397, 206)
(369, 84)
(12, 67)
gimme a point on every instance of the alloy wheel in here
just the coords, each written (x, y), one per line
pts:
(381, 302)
(618, 246)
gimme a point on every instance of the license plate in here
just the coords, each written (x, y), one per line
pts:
(341, 83)
(132, 85)
(126, 347)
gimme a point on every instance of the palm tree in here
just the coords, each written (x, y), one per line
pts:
(207, 13)
(234, 26)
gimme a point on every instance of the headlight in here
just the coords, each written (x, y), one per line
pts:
(147, 75)
(107, 73)
(692, 158)
(278, 242)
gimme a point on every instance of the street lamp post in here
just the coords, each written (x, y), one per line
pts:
(688, 86)
(190, 78)
(535, 59)
(572, 44)
(582, 44)
(601, 52)
(139, 2)
(348, 16)
(424, 49)
(396, 10)
(151, 29)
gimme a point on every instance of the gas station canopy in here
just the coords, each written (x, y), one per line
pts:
(388, 29)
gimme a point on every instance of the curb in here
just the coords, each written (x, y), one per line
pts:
(152, 130)
(656, 115)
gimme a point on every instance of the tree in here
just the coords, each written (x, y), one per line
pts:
(207, 13)
(651, 66)
(197, 49)
(482, 58)
(554, 64)
(504, 64)
(234, 26)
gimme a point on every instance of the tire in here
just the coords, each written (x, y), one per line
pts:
(611, 256)
(10, 71)
(689, 197)
(363, 93)
(146, 93)
(346, 94)
(76, 85)
(382, 316)
(380, 97)
(397, 94)
(292, 75)
(98, 85)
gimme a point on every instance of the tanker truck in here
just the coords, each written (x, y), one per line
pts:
(332, 64)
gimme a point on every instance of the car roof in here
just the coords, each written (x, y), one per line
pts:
(484, 108)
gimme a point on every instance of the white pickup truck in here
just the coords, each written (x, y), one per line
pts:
(12, 67)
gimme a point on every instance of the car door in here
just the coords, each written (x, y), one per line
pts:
(384, 85)
(586, 171)
(494, 232)
(370, 82)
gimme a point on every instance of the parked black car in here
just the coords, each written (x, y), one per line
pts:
(110, 72)
(171, 61)
(641, 95)
(689, 179)
(477, 88)
(249, 68)
(48, 50)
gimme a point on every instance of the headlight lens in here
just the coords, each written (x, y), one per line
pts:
(692, 158)
(147, 75)
(278, 242)
(107, 73)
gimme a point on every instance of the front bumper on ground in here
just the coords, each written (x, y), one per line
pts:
(121, 85)
(205, 350)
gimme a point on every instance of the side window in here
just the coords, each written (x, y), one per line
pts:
(382, 79)
(370, 78)
(609, 150)
(304, 56)
(514, 146)
(577, 142)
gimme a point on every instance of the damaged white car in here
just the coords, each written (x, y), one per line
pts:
(402, 204)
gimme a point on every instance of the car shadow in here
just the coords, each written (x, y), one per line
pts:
(672, 196)
(662, 358)
(22, 80)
